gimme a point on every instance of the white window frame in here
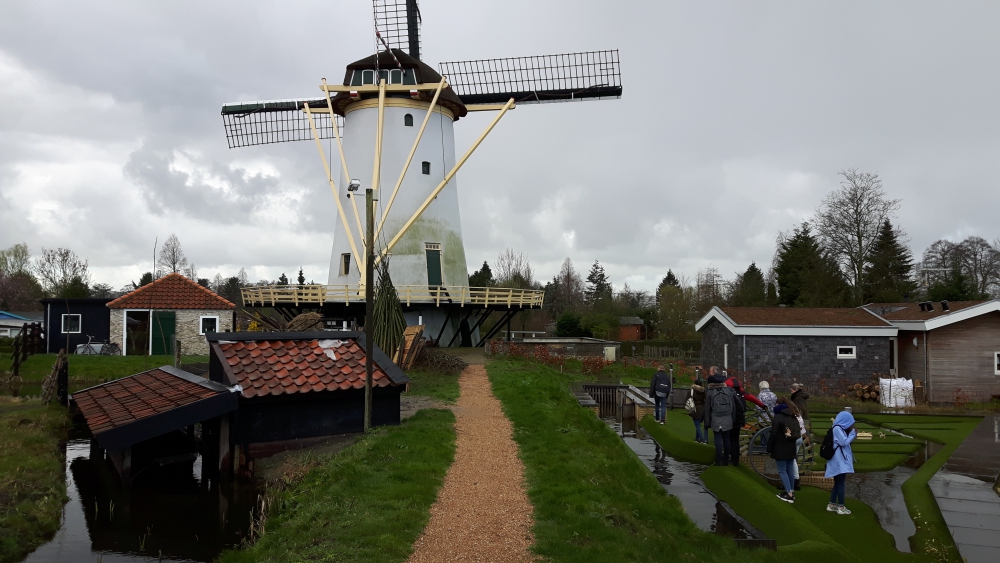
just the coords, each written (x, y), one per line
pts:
(996, 363)
(5, 332)
(201, 326)
(853, 355)
(79, 323)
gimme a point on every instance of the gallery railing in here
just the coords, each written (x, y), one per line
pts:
(272, 295)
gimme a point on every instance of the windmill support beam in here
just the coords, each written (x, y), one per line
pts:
(409, 158)
(451, 174)
(374, 89)
(458, 332)
(487, 107)
(343, 163)
(376, 173)
(333, 185)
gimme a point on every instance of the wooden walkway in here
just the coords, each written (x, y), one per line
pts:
(964, 490)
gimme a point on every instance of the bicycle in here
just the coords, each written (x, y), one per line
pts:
(106, 348)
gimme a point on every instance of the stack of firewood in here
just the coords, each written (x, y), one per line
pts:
(869, 392)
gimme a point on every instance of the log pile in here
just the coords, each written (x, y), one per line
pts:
(863, 392)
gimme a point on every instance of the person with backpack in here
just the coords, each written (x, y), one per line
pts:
(695, 406)
(782, 444)
(659, 391)
(721, 404)
(740, 417)
(836, 449)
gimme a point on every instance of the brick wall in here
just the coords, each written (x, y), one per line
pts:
(783, 360)
(187, 324)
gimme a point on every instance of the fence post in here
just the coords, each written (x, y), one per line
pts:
(177, 353)
(62, 382)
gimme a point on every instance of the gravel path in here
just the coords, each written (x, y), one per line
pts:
(482, 512)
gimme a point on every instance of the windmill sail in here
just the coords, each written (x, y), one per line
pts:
(545, 78)
(277, 121)
(397, 23)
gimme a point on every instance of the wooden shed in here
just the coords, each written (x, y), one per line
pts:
(71, 322)
(952, 347)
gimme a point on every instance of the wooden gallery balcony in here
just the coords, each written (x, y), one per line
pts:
(409, 296)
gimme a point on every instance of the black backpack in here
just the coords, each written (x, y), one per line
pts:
(826, 449)
(722, 404)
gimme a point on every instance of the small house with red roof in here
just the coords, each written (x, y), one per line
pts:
(301, 385)
(173, 308)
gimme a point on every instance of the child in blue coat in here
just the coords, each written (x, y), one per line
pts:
(842, 462)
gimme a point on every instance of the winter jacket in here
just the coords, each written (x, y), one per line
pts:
(779, 445)
(843, 457)
(736, 386)
(799, 398)
(660, 382)
(769, 399)
(698, 396)
(717, 421)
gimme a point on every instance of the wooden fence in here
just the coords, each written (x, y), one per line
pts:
(30, 341)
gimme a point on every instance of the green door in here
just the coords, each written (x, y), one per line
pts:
(164, 328)
(434, 267)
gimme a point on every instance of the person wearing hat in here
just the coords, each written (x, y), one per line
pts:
(767, 396)
(799, 397)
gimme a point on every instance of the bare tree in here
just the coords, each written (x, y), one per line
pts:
(513, 270)
(171, 259)
(981, 263)
(57, 267)
(849, 219)
(191, 272)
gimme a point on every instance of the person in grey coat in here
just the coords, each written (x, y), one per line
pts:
(659, 391)
(721, 405)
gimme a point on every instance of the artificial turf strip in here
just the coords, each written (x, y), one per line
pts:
(32, 483)
(434, 384)
(97, 369)
(676, 436)
(369, 502)
(594, 500)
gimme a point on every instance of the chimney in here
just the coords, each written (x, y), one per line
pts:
(944, 306)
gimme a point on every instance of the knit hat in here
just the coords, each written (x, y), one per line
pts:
(763, 385)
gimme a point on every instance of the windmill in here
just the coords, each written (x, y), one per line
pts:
(391, 121)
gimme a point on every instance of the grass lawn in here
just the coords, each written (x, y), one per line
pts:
(368, 502)
(594, 500)
(96, 369)
(805, 528)
(434, 384)
(32, 483)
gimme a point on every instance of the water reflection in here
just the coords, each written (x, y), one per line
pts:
(168, 514)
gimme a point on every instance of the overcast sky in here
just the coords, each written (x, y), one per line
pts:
(735, 119)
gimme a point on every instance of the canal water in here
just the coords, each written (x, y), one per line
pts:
(168, 514)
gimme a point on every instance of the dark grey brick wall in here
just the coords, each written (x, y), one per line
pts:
(783, 360)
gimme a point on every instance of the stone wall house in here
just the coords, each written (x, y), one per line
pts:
(173, 308)
(824, 348)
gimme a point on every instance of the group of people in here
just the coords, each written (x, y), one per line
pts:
(720, 404)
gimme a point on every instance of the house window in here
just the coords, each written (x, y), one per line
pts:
(996, 363)
(345, 264)
(208, 325)
(425, 167)
(408, 120)
(71, 324)
(847, 352)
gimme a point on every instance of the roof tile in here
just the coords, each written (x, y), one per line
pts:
(172, 291)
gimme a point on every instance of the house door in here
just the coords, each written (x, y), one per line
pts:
(893, 355)
(164, 328)
(136, 333)
(433, 250)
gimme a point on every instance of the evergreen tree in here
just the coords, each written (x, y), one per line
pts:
(807, 276)
(302, 277)
(956, 286)
(145, 279)
(483, 277)
(887, 276)
(749, 290)
(75, 289)
(283, 279)
(599, 288)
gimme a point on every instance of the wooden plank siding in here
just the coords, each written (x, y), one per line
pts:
(911, 358)
(962, 360)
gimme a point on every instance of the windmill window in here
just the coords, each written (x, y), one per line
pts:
(408, 120)
(71, 324)
(367, 76)
(409, 77)
(345, 264)
(425, 167)
(847, 352)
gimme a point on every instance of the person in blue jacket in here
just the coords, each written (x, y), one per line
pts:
(842, 461)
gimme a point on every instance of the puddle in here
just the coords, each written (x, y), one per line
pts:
(169, 514)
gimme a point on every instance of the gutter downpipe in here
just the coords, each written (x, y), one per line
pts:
(927, 381)
(744, 355)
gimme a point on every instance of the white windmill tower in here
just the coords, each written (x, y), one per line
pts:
(397, 115)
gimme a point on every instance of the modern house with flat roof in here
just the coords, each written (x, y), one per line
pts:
(71, 322)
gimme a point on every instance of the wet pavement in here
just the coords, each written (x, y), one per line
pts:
(169, 514)
(965, 492)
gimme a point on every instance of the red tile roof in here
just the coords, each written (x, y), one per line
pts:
(275, 367)
(791, 316)
(912, 312)
(172, 291)
(137, 397)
